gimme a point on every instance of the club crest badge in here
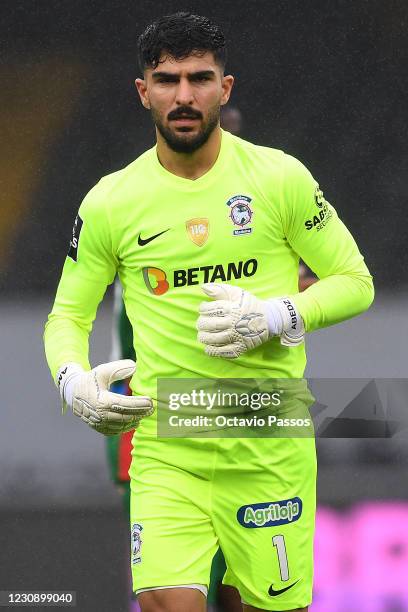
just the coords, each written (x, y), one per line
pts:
(136, 543)
(240, 213)
(197, 230)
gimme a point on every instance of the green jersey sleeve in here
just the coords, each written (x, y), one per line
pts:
(89, 268)
(315, 232)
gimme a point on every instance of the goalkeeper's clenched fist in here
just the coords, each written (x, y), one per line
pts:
(88, 395)
(238, 321)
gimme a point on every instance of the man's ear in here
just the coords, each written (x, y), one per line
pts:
(142, 91)
(227, 83)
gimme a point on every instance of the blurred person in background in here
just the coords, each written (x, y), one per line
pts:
(306, 277)
(196, 169)
(231, 119)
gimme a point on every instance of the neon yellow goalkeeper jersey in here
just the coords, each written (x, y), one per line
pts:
(245, 222)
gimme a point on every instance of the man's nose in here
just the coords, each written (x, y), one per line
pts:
(184, 94)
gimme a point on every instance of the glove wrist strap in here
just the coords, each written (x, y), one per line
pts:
(274, 317)
(284, 320)
(64, 380)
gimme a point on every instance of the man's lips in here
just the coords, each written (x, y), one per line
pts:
(185, 123)
(185, 119)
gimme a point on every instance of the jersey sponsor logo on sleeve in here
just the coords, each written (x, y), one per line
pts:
(76, 232)
(240, 214)
(323, 216)
(197, 230)
(270, 514)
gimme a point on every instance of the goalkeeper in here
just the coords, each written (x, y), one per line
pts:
(205, 231)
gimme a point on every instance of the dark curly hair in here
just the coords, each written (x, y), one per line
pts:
(180, 35)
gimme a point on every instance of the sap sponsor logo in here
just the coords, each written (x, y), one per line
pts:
(156, 280)
(320, 220)
(136, 543)
(76, 232)
(240, 214)
(324, 215)
(270, 514)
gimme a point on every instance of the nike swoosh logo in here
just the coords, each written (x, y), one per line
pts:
(273, 593)
(142, 242)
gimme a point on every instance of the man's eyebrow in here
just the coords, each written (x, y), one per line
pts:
(162, 74)
(191, 75)
(202, 73)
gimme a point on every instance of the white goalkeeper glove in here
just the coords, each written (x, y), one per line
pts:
(87, 394)
(238, 321)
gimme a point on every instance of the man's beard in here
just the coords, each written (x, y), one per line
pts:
(182, 142)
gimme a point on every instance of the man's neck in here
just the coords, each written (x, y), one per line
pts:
(190, 165)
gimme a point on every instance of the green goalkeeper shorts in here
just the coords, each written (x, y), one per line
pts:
(255, 498)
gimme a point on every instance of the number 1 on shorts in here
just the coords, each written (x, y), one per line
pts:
(279, 542)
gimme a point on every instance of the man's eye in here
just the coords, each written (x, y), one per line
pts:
(202, 78)
(166, 80)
